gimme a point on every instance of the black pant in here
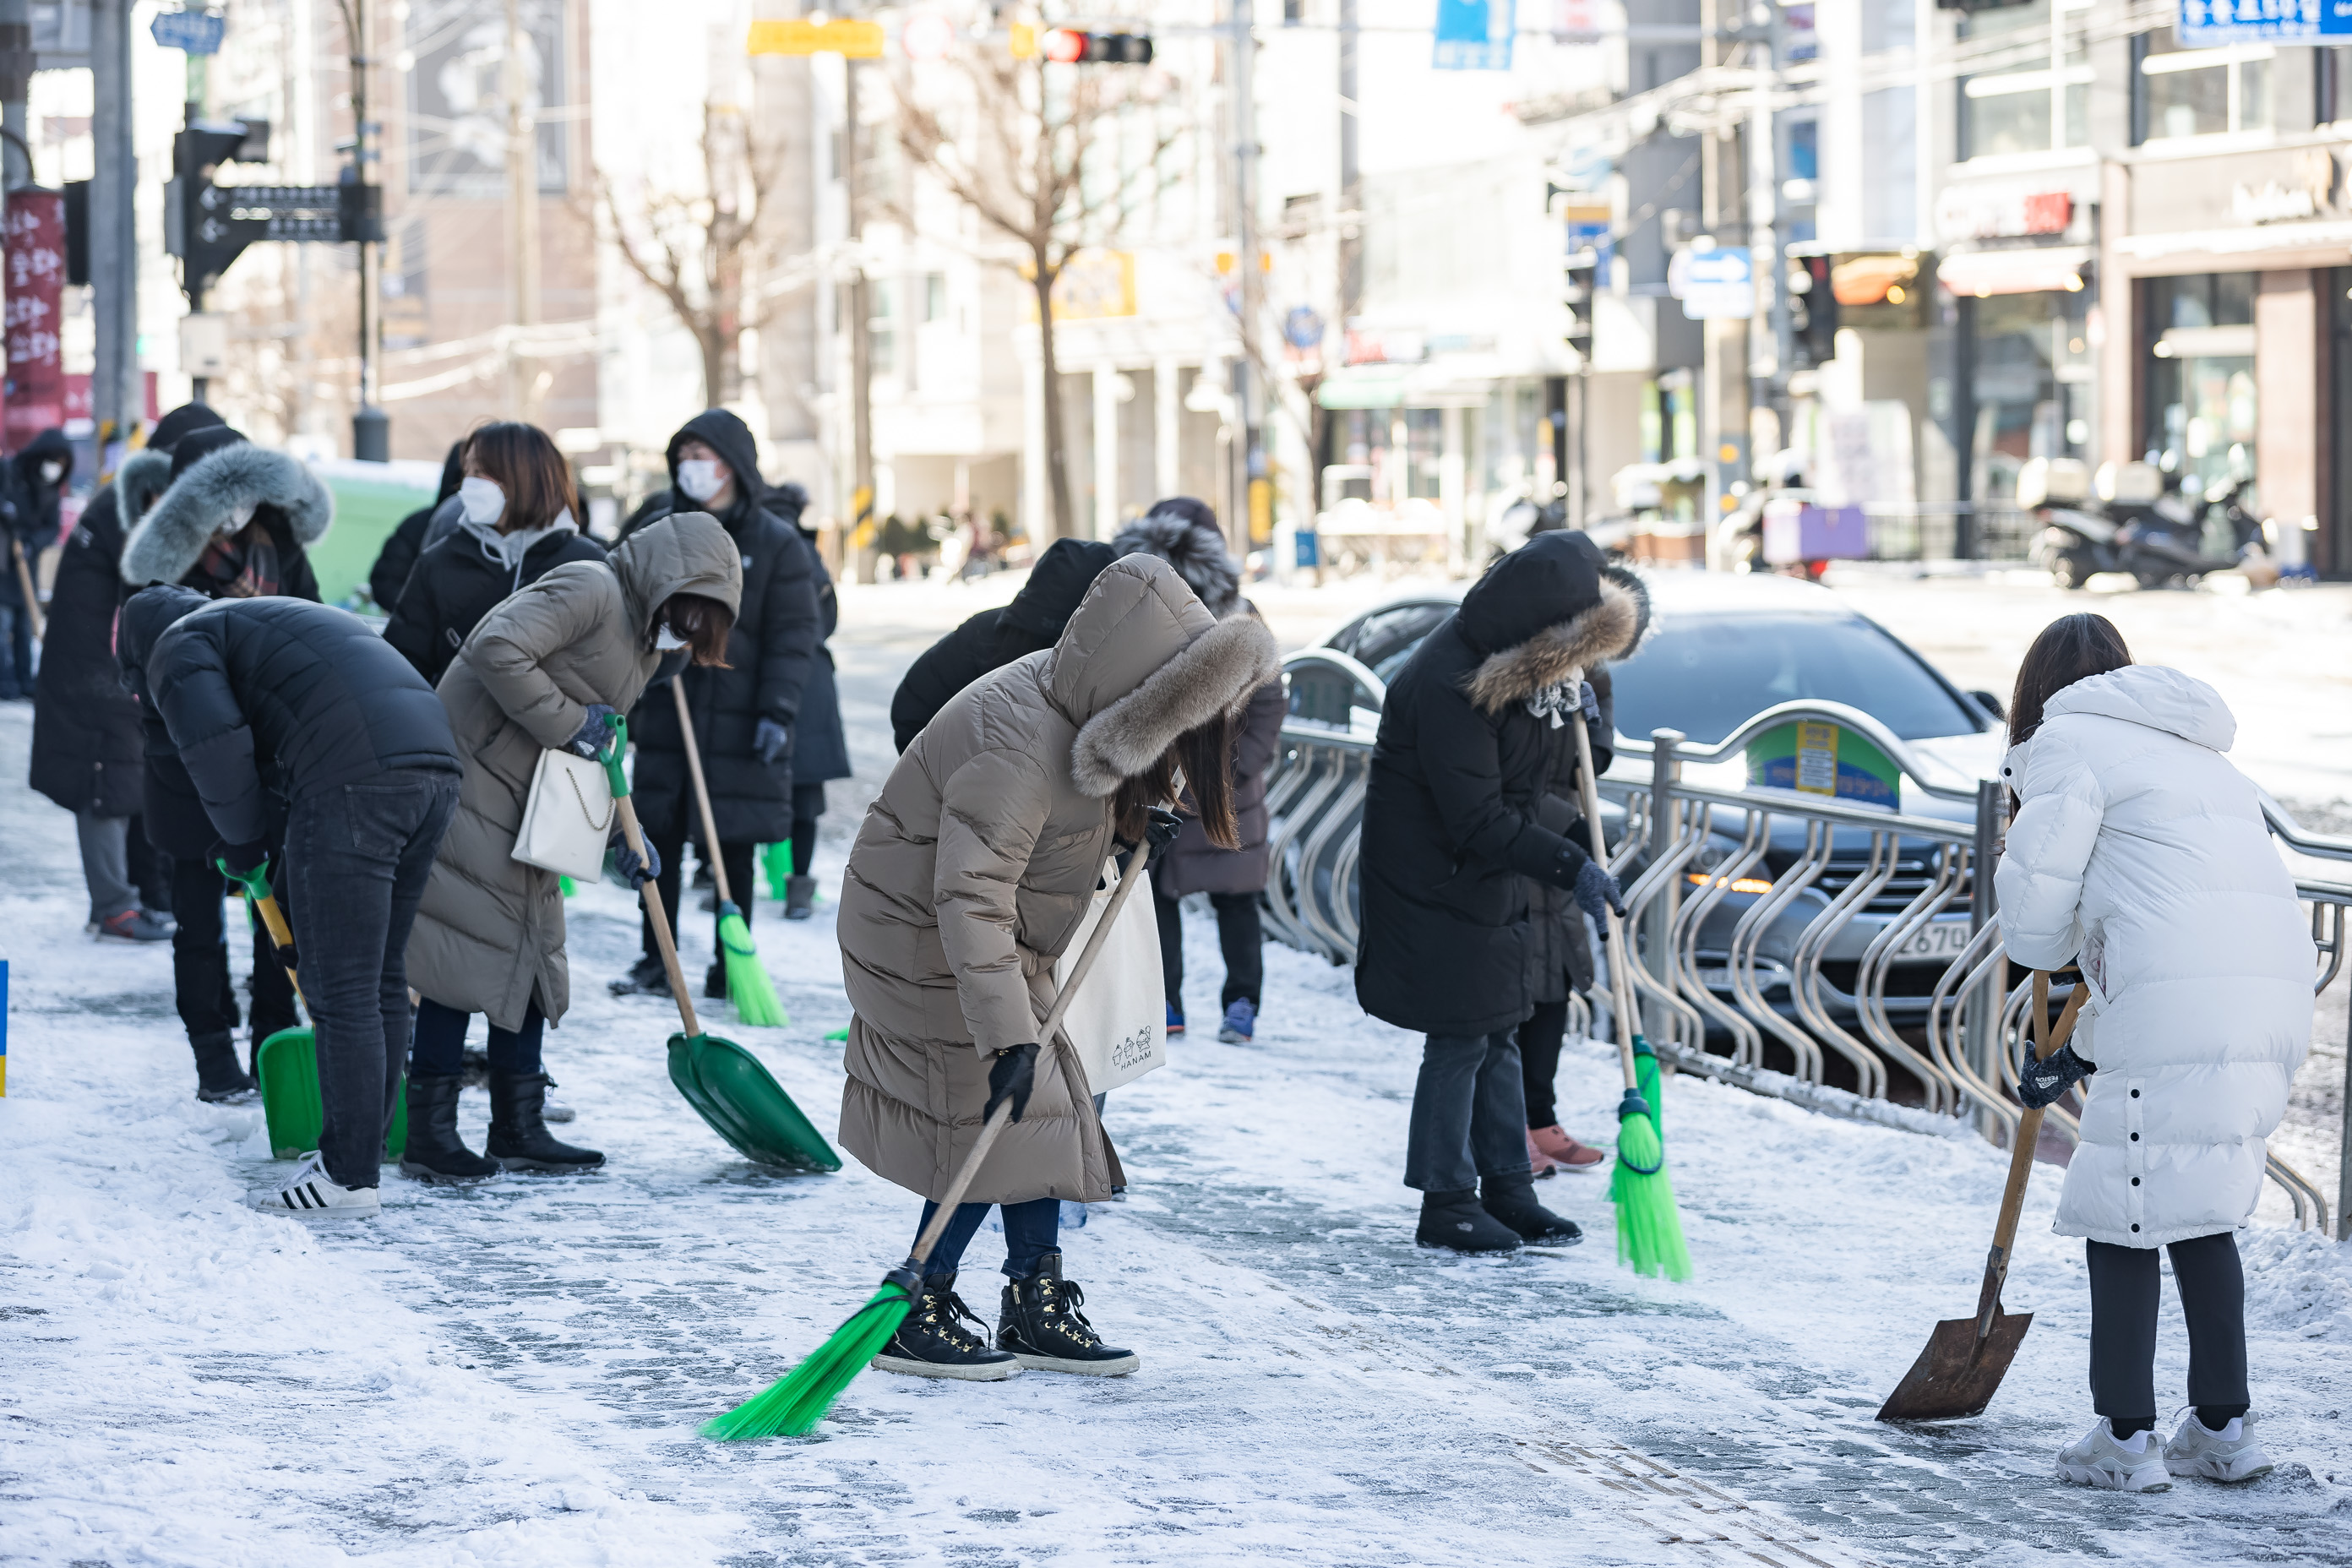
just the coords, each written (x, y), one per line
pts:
(1031, 1230)
(439, 1048)
(357, 856)
(1238, 934)
(1539, 1040)
(200, 982)
(2125, 1285)
(670, 845)
(808, 805)
(1468, 1122)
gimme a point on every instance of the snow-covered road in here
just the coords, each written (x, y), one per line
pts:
(513, 1374)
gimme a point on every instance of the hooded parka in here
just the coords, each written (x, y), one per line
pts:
(820, 747)
(456, 583)
(489, 935)
(770, 655)
(1470, 747)
(235, 495)
(2138, 850)
(993, 639)
(977, 861)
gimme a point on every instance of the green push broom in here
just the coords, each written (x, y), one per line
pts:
(748, 985)
(1649, 1229)
(798, 1400)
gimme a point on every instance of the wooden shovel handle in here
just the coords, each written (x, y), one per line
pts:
(655, 918)
(1620, 988)
(995, 1123)
(701, 791)
(2020, 1155)
(32, 596)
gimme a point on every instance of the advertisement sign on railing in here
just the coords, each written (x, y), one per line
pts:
(1815, 757)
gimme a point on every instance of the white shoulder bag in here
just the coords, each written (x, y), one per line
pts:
(1118, 1019)
(567, 817)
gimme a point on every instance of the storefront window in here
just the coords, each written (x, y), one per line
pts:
(2200, 395)
(1424, 445)
(2202, 92)
(2043, 107)
(2031, 385)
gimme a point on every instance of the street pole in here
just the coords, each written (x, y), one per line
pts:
(371, 426)
(16, 87)
(1252, 501)
(115, 403)
(1723, 396)
(861, 330)
(1772, 351)
(522, 218)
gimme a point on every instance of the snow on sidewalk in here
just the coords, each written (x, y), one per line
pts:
(513, 1373)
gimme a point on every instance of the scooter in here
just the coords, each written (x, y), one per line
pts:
(2132, 517)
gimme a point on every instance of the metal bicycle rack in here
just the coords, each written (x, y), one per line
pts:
(1748, 903)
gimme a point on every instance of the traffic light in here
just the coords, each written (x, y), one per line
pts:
(1584, 264)
(196, 229)
(1074, 46)
(1813, 310)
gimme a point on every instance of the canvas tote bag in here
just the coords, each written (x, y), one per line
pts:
(567, 817)
(1118, 1019)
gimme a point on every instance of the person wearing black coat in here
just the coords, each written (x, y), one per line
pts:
(820, 750)
(992, 639)
(234, 523)
(295, 713)
(86, 747)
(28, 518)
(519, 524)
(1467, 754)
(1559, 948)
(398, 557)
(746, 711)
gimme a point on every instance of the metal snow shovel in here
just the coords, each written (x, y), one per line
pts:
(726, 1084)
(286, 1065)
(1957, 1376)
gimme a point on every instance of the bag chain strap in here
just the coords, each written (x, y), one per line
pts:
(611, 809)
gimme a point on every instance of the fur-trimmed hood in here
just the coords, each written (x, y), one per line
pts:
(144, 475)
(1179, 532)
(216, 497)
(1548, 610)
(1142, 662)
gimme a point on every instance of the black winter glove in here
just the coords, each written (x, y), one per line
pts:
(1597, 894)
(596, 733)
(1160, 830)
(625, 861)
(1012, 1076)
(241, 860)
(769, 740)
(2041, 1083)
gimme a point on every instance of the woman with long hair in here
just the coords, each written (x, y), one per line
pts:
(969, 880)
(2139, 855)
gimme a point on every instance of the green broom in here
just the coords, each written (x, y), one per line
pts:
(748, 985)
(798, 1400)
(1649, 1228)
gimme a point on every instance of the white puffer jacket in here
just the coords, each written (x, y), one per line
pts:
(2140, 848)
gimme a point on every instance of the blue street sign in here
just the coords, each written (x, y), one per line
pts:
(2204, 23)
(192, 32)
(1475, 34)
(1716, 284)
(1302, 329)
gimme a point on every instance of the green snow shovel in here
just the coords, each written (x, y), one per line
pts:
(726, 1084)
(287, 1064)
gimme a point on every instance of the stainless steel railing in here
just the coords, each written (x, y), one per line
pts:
(1826, 951)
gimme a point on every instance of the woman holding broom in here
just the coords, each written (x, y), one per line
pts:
(968, 879)
(2138, 853)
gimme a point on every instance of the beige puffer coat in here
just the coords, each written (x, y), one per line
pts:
(976, 862)
(490, 931)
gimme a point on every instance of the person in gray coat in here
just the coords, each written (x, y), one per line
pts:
(1183, 532)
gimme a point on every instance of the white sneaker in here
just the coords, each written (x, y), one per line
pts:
(2098, 1460)
(2229, 1455)
(311, 1193)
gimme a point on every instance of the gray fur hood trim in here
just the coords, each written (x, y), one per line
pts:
(1601, 634)
(212, 499)
(144, 475)
(1219, 671)
(1197, 552)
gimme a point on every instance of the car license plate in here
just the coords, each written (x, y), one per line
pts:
(1944, 938)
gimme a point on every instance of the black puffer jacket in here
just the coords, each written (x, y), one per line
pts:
(1459, 780)
(820, 748)
(458, 581)
(86, 750)
(269, 700)
(33, 500)
(398, 557)
(1559, 946)
(992, 639)
(234, 492)
(769, 660)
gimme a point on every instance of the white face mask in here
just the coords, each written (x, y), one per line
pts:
(52, 472)
(702, 477)
(667, 640)
(482, 499)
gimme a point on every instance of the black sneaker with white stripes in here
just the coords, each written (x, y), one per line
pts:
(312, 1194)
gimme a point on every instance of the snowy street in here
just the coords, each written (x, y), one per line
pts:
(514, 1374)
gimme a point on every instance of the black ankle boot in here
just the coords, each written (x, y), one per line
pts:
(942, 1338)
(1455, 1222)
(714, 982)
(1042, 1326)
(646, 977)
(221, 1079)
(1512, 1200)
(518, 1139)
(434, 1152)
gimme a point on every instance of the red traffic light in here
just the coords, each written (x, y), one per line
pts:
(1071, 45)
(1066, 46)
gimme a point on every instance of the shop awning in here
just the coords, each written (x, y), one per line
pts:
(2042, 271)
(1465, 382)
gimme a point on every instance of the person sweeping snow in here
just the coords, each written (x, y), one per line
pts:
(969, 876)
(1473, 740)
(2138, 853)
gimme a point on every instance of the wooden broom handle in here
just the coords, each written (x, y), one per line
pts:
(1619, 955)
(701, 791)
(654, 917)
(32, 596)
(995, 1123)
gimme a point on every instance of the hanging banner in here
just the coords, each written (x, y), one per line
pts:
(1816, 757)
(34, 247)
(1474, 34)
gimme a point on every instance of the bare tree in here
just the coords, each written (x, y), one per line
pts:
(1031, 149)
(699, 249)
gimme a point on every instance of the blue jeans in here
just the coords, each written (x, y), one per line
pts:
(439, 1048)
(1031, 1230)
(1469, 1113)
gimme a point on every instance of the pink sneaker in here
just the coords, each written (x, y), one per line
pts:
(1538, 1162)
(1562, 1151)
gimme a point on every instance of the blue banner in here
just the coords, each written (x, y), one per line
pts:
(1475, 34)
(2206, 22)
